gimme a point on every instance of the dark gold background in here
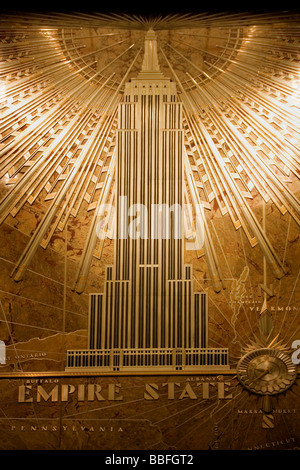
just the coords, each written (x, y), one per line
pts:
(41, 317)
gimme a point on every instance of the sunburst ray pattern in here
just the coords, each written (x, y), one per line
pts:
(62, 78)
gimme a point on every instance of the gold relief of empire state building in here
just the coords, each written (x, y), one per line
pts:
(149, 315)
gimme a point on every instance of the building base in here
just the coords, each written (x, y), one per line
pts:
(156, 359)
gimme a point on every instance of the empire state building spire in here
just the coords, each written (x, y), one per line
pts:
(150, 66)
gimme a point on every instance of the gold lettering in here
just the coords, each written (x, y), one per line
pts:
(95, 389)
(205, 390)
(171, 389)
(113, 391)
(23, 392)
(65, 391)
(150, 393)
(221, 391)
(42, 393)
(188, 392)
(81, 392)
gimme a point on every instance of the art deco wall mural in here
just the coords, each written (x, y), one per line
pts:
(149, 210)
